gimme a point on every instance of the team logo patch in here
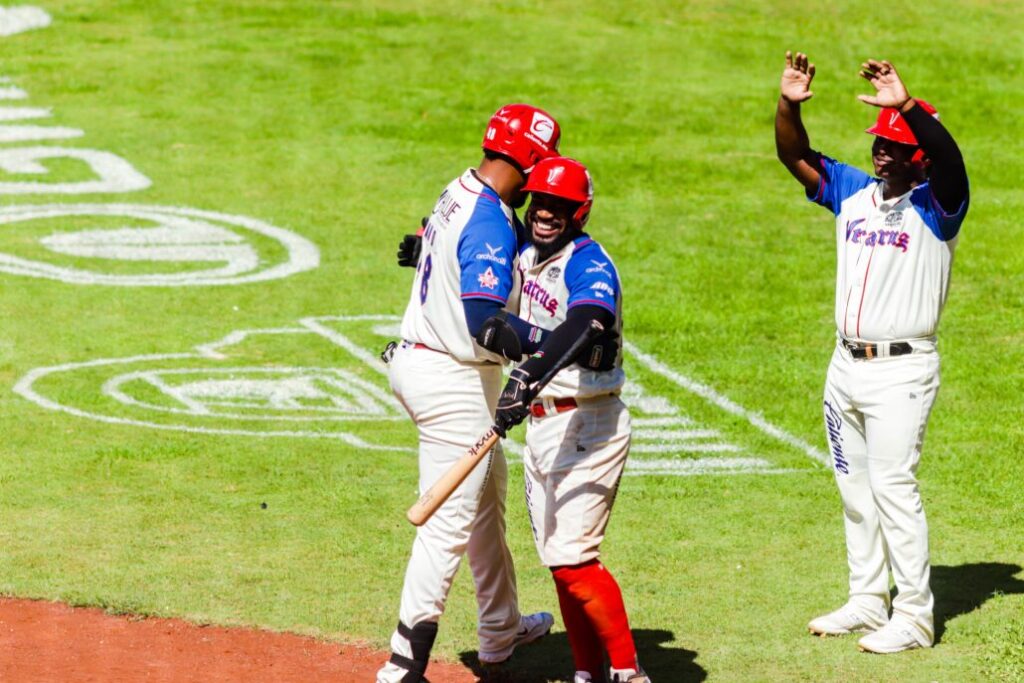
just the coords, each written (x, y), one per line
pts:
(893, 218)
(487, 279)
(542, 127)
(554, 273)
(492, 255)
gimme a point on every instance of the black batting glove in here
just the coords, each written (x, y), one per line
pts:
(410, 247)
(600, 355)
(514, 402)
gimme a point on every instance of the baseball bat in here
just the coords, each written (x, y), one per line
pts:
(442, 489)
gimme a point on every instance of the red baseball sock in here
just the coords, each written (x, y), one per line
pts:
(591, 587)
(587, 652)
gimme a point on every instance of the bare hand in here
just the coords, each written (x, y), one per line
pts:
(797, 77)
(890, 89)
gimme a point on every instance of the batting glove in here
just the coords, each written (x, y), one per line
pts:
(410, 247)
(514, 402)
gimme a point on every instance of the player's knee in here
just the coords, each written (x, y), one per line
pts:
(421, 641)
(893, 485)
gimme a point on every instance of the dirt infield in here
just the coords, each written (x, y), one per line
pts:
(47, 641)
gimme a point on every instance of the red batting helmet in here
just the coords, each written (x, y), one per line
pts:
(891, 125)
(566, 178)
(524, 134)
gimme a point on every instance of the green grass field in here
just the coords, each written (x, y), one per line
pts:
(340, 122)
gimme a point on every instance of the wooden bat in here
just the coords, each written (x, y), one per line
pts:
(443, 488)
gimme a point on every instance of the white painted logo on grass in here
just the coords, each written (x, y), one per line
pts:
(247, 384)
(22, 18)
(230, 387)
(114, 174)
(184, 247)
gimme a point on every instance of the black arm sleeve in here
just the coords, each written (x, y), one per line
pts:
(563, 336)
(948, 175)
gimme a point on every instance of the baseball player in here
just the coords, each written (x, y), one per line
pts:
(895, 235)
(578, 434)
(449, 386)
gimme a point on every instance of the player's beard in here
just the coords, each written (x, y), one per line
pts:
(548, 246)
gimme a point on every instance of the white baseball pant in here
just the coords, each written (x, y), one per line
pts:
(876, 412)
(573, 462)
(452, 404)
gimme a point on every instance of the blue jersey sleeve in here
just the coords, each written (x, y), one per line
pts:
(838, 182)
(944, 226)
(487, 249)
(591, 277)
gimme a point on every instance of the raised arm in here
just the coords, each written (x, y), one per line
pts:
(947, 174)
(791, 141)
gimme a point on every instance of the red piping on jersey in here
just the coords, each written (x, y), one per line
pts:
(580, 302)
(479, 194)
(847, 311)
(484, 295)
(864, 289)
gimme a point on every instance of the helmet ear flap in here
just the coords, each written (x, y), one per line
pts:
(583, 213)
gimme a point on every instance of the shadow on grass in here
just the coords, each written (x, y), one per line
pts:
(550, 659)
(964, 588)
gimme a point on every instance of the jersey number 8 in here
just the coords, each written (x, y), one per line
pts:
(425, 279)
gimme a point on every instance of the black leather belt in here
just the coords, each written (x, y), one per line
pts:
(861, 350)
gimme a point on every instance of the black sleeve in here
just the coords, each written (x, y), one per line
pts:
(948, 175)
(563, 336)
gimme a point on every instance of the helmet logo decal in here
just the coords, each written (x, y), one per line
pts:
(542, 126)
(554, 174)
(893, 118)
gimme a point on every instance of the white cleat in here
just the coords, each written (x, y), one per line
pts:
(582, 677)
(894, 637)
(531, 627)
(846, 620)
(391, 673)
(629, 676)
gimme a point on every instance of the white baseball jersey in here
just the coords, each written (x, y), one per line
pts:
(894, 255)
(469, 248)
(581, 273)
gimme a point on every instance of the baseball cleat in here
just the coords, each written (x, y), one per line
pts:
(582, 677)
(629, 676)
(846, 620)
(392, 673)
(531, 627)
(894, 637)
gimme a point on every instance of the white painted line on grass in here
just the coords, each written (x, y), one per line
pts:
(24, 388)
(27, 133)
(683, 448)
(675, 434)
(344, 342)
(19, 113)
(680, 421)
(22, 18)
(690, 467)
(10, 92)
(726, 404)
(166, 234)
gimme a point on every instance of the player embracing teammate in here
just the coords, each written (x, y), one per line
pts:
(475, 262)
(578, 431)
(449, 385)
